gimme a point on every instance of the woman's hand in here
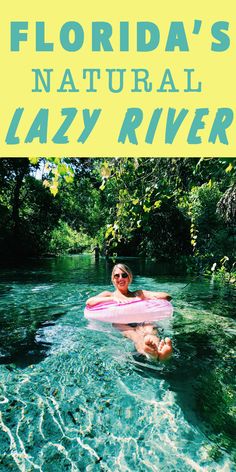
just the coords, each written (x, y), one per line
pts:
(155, 295)
(101, 298)
(118, 298)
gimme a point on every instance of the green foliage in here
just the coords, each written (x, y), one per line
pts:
(169, 207)
(225, 271)
(55, 171)
(210, 237)
(152, 207)
(66, 240)
(203, 201)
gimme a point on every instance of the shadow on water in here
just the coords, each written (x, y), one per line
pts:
(202, 370)
(202, 374)
(21, 335)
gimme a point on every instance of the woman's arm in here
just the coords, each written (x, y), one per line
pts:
(100, 298)
(147, 294)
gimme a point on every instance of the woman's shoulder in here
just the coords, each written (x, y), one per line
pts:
(147, 294)
(105, 294)
(138, 293)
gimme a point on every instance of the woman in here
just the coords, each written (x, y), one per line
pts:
(143, 335)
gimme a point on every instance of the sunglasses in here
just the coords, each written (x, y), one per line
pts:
(123, 275)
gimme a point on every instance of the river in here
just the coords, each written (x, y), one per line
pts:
(73, 398)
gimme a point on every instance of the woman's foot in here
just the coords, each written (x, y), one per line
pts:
(161, 350)
(165, 349)
(151, 343)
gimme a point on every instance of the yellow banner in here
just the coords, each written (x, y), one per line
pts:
(91, 79)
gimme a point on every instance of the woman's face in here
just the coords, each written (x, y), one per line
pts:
(121, 279)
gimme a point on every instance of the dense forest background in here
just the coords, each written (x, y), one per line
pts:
(181, 209)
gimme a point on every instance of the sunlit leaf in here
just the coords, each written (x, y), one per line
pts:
(56, 172)
(46, 183)
(110, 231)
(146, 209)
(229, 168)
(157, 204)
(69, 179)
(54, 189)
(62, 169)
(34, 160)
(105, 172)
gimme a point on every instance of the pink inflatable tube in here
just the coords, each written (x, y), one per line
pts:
(135, 311)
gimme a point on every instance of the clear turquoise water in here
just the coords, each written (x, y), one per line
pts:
(74, 398)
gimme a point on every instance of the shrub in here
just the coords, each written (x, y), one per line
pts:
(65, 239)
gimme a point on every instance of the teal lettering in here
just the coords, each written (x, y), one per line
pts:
(132, 120)
(196, 125)
(153, 125)
(147, 86)
(223, 38)
(91, 73)
(173, 125)
(189, 82)
(67, 80)
(167, 80)
(143, 44)
(59, 137)
(222, 121)
(89, 123)
(177, 37)
(120, 79)
(41, 45)
(11, 137)
(101, 33)
(124, 36)
(78, 33)
(38, 77)
(17, 35)
(39, 127)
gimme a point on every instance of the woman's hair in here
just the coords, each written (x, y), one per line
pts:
(124, 268)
